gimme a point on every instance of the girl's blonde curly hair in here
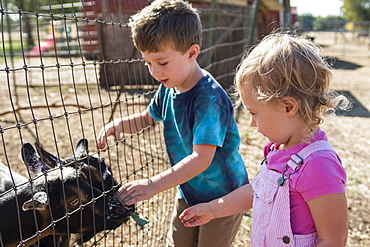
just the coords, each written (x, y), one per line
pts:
(282, 65)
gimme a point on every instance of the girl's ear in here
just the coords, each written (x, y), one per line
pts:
(193, 52)
(290, 105)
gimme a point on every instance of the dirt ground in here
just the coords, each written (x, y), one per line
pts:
(59, 128)
(349, 134)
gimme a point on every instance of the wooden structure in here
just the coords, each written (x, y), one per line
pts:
(233, 22)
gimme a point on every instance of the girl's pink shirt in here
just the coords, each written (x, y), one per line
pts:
(321, 173)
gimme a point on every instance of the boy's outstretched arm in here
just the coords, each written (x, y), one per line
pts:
(130, 124)
(330, 214)
(235, 202)
(192, 165)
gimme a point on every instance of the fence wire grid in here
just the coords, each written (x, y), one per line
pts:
(67, 68)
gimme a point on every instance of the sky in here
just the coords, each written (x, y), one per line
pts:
(321, 8)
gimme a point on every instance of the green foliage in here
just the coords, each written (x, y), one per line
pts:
(306, 22)
(15, 47)
(356, 10)
(6, 49)
(309, 22)
(42, 7)
(31, 14)
(33, 6)
(328, 23)
(140, 219)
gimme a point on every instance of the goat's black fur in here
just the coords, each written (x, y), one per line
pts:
(73, 195)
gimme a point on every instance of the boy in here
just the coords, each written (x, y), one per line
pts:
(200, 131)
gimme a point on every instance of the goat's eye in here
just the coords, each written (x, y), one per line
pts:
(74, 202)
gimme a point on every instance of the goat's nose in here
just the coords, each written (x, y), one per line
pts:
(130, 209)
(123, 211)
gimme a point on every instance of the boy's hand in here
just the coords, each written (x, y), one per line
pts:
(196, 215)
(135, 191)
(112, 128)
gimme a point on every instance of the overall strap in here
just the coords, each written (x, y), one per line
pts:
(298, 158)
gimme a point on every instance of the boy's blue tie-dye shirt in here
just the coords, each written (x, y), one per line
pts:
(202, 115)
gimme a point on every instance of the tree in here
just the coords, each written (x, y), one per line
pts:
(356, 10)
(306, 22)
(30, 9)
(329, 23)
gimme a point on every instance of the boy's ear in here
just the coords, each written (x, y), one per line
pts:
(290, 105)
(193, 52)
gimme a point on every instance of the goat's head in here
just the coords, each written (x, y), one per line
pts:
(103, 177)
(78, 191)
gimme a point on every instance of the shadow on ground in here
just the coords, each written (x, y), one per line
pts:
(337, 63)
(356, 110)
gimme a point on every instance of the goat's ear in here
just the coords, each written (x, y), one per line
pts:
(32, 160)
(50, 159)
(39, 201)
(82, 149)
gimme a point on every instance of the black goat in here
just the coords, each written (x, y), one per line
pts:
(9, 178)
(101, 178)
(74, 195)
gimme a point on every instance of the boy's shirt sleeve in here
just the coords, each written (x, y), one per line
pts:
(155, 105)
(211, 121)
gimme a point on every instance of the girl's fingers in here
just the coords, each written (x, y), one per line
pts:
(186, 214)
(191, 223)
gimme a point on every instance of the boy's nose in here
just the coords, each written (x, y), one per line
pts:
(156, 71)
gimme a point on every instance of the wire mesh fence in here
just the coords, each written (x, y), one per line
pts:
(67, 69)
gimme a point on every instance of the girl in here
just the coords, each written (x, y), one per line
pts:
(298, 197)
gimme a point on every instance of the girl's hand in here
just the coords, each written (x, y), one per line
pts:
(196, 215)
(237, 201)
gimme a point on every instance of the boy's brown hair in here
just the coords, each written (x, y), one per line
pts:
(166, 22)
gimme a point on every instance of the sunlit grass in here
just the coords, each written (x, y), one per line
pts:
(7, 49)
